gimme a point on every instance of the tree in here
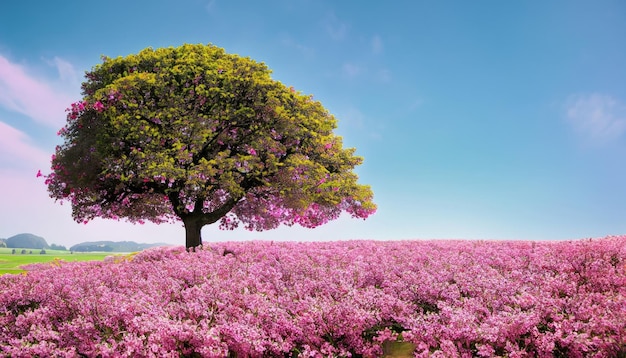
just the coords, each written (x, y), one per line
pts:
(197, 135)
(57, 247)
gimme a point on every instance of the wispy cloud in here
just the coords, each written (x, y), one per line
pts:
(336, 29)
(384, 75)
(377, 45)
(352, 119)
(598, 117)
(67, 72)
(17, 150)
(210, 5)
(288, 41)
(415, 104)
(354, 70)
(21, 92)
(351, 69)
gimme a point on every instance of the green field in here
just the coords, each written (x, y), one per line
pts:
(10, 263)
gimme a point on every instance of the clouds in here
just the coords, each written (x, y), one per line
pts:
(377, 45)
(23, 93)
(351, 69)
(67, 72)
(288, 40)
(335, 28)
(42, 101)
(367, 64)
(597, 117)
(366, 48)
(16, 149)
(209, 5)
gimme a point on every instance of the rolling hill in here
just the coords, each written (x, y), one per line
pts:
(27, 241)
(112, 246)
(31, 241)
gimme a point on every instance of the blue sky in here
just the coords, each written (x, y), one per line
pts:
(477, 120)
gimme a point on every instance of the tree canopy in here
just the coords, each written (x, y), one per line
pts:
(197, 135)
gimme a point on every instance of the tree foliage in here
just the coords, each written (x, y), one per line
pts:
(57, 247)
(196, 134)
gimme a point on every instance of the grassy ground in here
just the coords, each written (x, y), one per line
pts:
(10, 263)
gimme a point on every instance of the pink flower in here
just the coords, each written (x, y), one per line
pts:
(449, 298)
(39, 174)
(98, 106)
(252, 151)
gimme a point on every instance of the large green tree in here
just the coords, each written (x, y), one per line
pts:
(199, 135)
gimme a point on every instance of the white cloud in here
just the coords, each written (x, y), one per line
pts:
(351, 69)
(16, 150)
(377, 44)
(415, 104)
(596, 116)
(21, 92)
(336, 29)
(210, 6)
(67, 72)
(384, 75)
(351, 118)
(288, 41)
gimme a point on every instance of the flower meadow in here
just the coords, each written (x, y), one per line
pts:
(325, 299)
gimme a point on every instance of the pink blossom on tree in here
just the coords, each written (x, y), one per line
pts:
(194, 134)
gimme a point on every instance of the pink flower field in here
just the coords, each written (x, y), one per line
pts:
(326, 299)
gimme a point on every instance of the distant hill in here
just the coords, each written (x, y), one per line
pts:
(112, 246)
(27, 241)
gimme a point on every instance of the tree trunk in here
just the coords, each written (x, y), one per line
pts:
(193, 235)
(195, 220)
